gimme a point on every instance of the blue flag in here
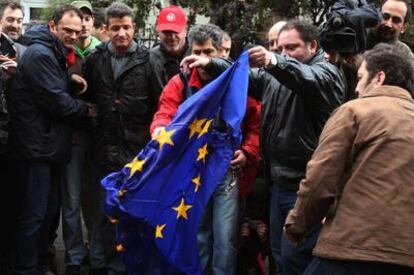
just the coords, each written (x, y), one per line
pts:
(158, 199)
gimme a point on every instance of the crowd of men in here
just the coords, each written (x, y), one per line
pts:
(81, 95)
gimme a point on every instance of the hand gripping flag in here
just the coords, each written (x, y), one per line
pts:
(158, 199)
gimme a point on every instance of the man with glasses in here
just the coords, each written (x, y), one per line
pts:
(396, 18)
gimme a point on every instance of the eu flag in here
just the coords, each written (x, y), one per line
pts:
(159, 197)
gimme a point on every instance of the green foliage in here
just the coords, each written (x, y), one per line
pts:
(141, 8)
(47, 13)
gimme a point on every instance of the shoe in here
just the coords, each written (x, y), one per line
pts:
(98, 271)
(73, 270)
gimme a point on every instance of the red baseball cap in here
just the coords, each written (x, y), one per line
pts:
(171, 18)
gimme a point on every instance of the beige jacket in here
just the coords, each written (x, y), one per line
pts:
(361, 178)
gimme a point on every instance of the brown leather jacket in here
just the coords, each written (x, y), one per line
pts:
(361, 179)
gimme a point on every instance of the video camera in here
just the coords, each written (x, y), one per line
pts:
(345, 31)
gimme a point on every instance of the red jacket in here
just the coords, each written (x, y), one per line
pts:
(173, 95)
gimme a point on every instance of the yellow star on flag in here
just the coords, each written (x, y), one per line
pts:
(164, 137)
(120, 248)
(135, 165)
(197, 182)
(158, 231)
(196, 126)
(202, 153)
(182, 209)
(121, 193)
(205, 128)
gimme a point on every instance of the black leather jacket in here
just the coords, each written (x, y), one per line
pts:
(294, 112)
(297, 99)
(165, 65)
(125, 105)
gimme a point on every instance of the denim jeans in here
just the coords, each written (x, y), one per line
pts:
(218, 233)
(39, 206)
(71, 201)
(289, 259)
(320, 266)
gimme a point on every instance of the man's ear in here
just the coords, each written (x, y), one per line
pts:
(406, 24)
(313, 46)
(52, 26)
(380, 78)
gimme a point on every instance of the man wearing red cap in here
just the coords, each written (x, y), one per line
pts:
(166, 57)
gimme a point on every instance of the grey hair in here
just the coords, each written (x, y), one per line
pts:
(199, 34)
(118, 10)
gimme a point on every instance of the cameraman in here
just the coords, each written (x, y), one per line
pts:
(344, 37)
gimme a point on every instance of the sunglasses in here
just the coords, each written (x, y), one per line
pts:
(394, 19)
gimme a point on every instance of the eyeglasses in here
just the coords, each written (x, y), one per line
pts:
(394, 19)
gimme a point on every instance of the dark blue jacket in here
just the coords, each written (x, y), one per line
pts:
(40, 105)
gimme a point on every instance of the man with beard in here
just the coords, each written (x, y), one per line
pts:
(360, 177)
(11, 20)
(166, 57)
(396, 19)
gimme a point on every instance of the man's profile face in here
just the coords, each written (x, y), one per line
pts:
(365, 82)
(87, 24)
(392, 25)
(68, 29)
(225, 47)
(172, 41)
(205, 49)
(12, 22)
(121, 32)
(272, 39)
(291, 44)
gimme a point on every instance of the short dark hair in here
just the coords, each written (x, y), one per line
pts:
(59, 12)
(199, 34)
(11, 5)
(396, 64)
(118, 10)
(407, 3)
(307, 31)
(99, 18)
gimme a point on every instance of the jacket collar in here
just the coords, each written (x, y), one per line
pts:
(391, 91)
(4, 37)
(318, 57)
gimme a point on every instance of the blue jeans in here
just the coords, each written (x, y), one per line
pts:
(218, 233)
(40, 203)
(289, 259)
(71, 201)
(320, 266)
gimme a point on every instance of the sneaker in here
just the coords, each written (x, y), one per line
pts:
(73, 270)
